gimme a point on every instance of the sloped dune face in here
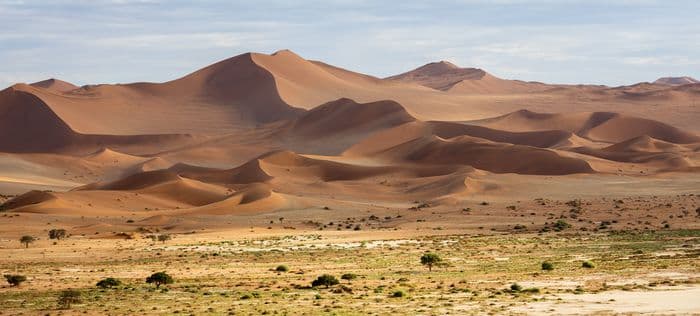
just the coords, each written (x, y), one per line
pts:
(55, 85)
(27, 124)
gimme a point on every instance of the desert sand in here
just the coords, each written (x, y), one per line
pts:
(265, 146)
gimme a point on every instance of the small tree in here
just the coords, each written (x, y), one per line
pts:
(326, 280)
(164, 237)
(108, 283)
(15, 279)
(26, 240)
(68, 298)
(159, 278)
(430, 259)
(57, 234)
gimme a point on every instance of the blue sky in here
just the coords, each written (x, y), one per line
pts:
(610, 42)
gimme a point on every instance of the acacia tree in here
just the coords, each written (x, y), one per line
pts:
(430, 259)
(26, 240)
(159, 278)
(164, 237)
(57, 234)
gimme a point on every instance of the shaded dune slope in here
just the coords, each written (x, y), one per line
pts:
(27, 124)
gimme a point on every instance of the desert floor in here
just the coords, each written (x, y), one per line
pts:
(644, 262)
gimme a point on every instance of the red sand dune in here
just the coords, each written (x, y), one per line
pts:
(258, 133)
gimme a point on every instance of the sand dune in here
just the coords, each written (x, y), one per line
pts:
(485, 155)
(258, 133)
(27, 124)
(446, 76)
(55, 85)
(598, 126)
(676, 81)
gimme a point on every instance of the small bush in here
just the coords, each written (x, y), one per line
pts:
(69, 297)
(398, 293)
(57, 234)
(348, 276)
(547, 266)
(15, 279)
(515, 287)
(282, 268)
(108, 283)
(326, 280)
(561, 225)
(587, 264)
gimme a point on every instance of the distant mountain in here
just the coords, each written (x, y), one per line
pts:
(676, 81)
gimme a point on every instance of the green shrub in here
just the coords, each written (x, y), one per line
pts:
(57, 234)
(282, 268)
(561, 225)
(15, 279)
(108, 283)
(326, 280)
(398, 293)
(515, 287)
(547, 266)
(587, 264)
(348, 276)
